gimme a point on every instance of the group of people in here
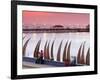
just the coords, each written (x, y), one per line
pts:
(40, 60)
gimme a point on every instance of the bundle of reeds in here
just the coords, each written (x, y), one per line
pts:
(24, 47)
(36, 51)
(81, 59)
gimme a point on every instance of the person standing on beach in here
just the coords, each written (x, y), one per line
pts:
(41, 56)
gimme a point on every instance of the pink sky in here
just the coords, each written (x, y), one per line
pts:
(31, 17)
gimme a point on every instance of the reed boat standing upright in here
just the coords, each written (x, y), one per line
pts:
(48, 56)
(24, 47)
(24, 37)
(35, 54)
(64, 52)
(52, 46)
(88, 57)
(79, 54)
(59, 52)
(45, 50)
(68, 54)
(82, 55)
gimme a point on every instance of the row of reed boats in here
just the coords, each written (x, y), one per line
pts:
(80, 58)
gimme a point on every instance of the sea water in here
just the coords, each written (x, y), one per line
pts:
(76, 38)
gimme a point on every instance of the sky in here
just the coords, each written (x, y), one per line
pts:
(51, 18)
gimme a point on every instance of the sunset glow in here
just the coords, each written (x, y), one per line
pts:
(50, 18)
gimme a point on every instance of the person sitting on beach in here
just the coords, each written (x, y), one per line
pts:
(66, 62)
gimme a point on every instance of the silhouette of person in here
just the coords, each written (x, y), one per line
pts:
(41, 56)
